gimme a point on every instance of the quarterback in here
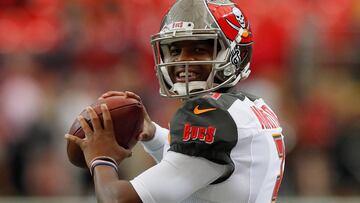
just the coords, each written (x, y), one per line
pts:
(222, 145)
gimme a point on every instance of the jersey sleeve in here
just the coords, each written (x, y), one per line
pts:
(202, 127)
(175, 178)
(155, 146)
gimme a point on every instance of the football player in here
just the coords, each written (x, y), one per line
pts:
(223, 146)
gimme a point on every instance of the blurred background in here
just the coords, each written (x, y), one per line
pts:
(56, 57)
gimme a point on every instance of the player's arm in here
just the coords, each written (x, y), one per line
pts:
(176, 178)
(109, 188)
(172, 180)
(178, 173)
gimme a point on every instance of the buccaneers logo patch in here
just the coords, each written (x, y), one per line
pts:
(205, 134)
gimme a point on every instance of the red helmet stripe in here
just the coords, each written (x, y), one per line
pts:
(221, 15)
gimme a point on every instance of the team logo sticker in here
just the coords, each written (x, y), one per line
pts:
(239, 17)
(233, 22)
(178, 26)
(235, 56)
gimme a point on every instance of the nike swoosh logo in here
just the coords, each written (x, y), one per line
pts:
(200, 111)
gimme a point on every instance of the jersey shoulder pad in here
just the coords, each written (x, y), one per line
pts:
(203, 127)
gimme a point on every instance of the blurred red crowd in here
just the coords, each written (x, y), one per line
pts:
(100, 30)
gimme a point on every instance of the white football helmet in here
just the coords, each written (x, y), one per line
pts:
(218, 20)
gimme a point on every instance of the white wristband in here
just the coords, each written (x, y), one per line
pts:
(158, 140)
(103, 161)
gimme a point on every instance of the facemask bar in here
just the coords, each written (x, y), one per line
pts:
(187, 79)
(165, 91)
(194, 34)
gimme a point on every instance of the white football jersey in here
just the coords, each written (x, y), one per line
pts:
(231, 130)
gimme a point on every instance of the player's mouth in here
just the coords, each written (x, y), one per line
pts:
(192, 76)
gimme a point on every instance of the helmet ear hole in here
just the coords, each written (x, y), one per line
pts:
(228, 71)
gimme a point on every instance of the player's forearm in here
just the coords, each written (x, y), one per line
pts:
(104, 179)
(109, 188)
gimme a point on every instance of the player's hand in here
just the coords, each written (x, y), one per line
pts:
(99, 141)
(149, 128)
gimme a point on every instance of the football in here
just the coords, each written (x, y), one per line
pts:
(127, 117)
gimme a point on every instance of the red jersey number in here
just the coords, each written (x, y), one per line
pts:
(280, 146)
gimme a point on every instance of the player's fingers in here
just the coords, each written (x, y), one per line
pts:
(132, 95)
(84, 125)
(107, 94)
(114, 93)
(74, 139)
(111, 93)
(95, 120)
(108, 124)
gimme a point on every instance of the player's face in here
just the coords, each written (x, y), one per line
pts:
(191, 50)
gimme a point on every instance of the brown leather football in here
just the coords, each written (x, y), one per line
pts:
(127, 116)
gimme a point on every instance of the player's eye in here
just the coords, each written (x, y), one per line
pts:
(199, 49)
(175, 51)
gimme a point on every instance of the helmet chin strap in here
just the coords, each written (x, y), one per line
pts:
(245, 72)
(242, 76)
(180, 87)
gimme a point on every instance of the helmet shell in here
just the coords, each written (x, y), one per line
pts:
(220, 20)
